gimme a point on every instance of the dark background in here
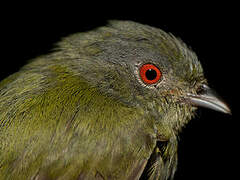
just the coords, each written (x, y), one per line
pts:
(208, 145)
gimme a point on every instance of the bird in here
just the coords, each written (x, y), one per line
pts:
(108, 103)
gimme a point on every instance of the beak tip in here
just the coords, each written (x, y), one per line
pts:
(228, 111)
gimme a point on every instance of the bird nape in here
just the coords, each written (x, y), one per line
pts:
(105, 104)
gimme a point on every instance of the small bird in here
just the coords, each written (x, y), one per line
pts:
(104, 104)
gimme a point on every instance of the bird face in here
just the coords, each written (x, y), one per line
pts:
(178, 89)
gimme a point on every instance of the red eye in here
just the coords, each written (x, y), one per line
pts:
(150, 74)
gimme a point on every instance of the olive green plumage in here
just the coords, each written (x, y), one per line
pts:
(83, 112)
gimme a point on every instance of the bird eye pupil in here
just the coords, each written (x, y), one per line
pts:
(151, 74)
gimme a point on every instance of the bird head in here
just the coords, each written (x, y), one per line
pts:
(143, 67)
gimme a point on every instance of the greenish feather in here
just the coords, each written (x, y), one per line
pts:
(82, 111)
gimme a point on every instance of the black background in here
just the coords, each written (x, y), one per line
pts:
(208, 145)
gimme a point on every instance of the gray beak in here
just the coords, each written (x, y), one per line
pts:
(209, 99)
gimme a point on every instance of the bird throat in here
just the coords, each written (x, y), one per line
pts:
(170, 118)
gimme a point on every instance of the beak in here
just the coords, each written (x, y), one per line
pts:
(209, 99)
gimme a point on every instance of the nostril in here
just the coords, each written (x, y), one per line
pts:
(202, 89)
